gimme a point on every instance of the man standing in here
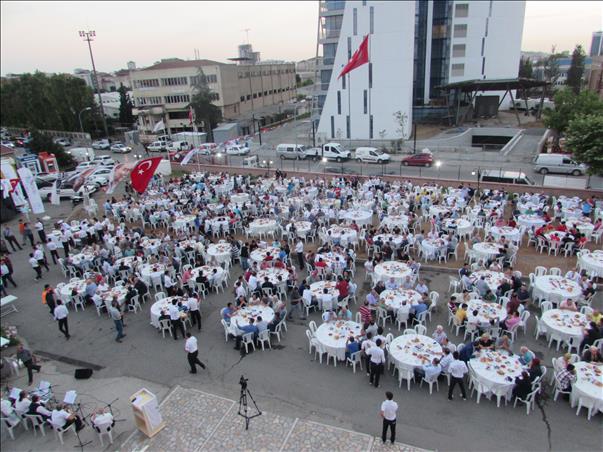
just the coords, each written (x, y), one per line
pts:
(27, 359)
(40, 228)
(27, 232)
(48, 298)
(60, 315)
(10, 238)
(299, 249)
(457, 370)
(389, 409)
(192, 351)
(193, 307)
(6, 271)
(175, 320)
(36, 266)
(116, 315)
(39, 255)
(52, 247)
(377, 359)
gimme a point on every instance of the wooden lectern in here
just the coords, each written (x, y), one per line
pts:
(146, 412)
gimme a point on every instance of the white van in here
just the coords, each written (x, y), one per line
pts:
(81, 154)
(179, 146)
(505, 177)
(558, 163)
(372, 155)
(291, 151)
(335, 151)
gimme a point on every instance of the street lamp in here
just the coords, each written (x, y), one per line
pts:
(477, 173)
(438, 163)
(89, 36)
(80, 117)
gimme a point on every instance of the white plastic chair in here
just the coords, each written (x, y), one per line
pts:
(165, 325)
(247, 341)
(529, 401)
(264, 337)
(587, 403)
(226, 329)
(430, 382)
(405, 374)
(61, 431)
(354, 360)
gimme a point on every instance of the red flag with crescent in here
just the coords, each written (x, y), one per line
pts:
(143, 172)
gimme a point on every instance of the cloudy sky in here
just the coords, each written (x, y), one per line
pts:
(44, 35)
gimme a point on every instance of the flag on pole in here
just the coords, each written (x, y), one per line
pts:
(360, 57)
(143, 172)
(159, 126)
(55, 199)
(191, 115)
(187, 158)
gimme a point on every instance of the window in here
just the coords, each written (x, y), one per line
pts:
(355, 21)
(255, 95)
(242, 98)
(154, 100)
(343, 82)
(338, 102)
(260, 94)
(363, 2)
(483, 65)
(460, 31)
(347, 126)
(365, 101)
(487, 23)
(177, 99)
(371, 19)
(214, 96)
(439, 31)
(458, 50)
(265, 93)
(483, 45)
(178, 114)
(248, 96)
(349, 48)
(211, 78)
(461, 10)
(332, 126)
(173, 81)
(370, 75)
(371, 126)
(458, 70)
(149, 83)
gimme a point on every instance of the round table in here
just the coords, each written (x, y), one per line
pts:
(84, 256)
(359, 216)
(437, 210)
(318, 287)
(259, 254)
(585, 227)
(391, 221)
(128, 261)
(341, 233)
(302, 228)
(79, 286)
(240, 198)
(331, 258)
(392, 269)
(496, 371)
(571, 212)
(164, 304)
(560, 234)
(217, 223)
(215, 207)
(393, 299)
(485, 250)
(527, 206)
(396, 239)
(591, 262)
(242, 316)
(262, 225)
(588, 384)
(487, 311)
(565, 324)
(183, 221)
(150, 244)
(555, 288)
(510, 233)
(195, 245)
(208, 270)
(151, 271)
(433, 247)
(413, 350)
(569, 202)
(332, 336)
(530, 220)
(272, 274)
(493, 279)
(461, 226)
(219, 251)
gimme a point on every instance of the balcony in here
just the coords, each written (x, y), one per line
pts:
(331, 7)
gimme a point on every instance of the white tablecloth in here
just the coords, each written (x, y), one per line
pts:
(392, 221)
(493, 279)
(331, 258)
(463, 227)
(318, 287)
(436, 210)
(262, 225)
(359, 216)
(272, 274)
(393, 298)
(589, 384)
(485, 250)
(341, 233)
(530, 220)
(218, 223)
(392, 269)
(432, 246)
(184, 221)
(564, 323)
(149, 271)
(525, 207)
(585, 227)
(242, 316)
(219, 251)
(239, 198)
(496, 371)
(208, 270)
(385, 238)
(571, 212)
(77, 259)
(591, 262)
(413, 350)
(332, 336)
(556, 288)
(302, 228)
(259, 254)
(150, 244)
(486, 311)
(164, 304)
(509, 232)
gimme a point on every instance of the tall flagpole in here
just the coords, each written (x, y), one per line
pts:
(369, 86)
(349, 108)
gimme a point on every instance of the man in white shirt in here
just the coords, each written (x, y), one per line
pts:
(446, 360)
(253, 283)
(326, 299)
(391, 284)
(192, 351)
(422, 287)
(299, 249)
(102, 421)
(168, 283)
(40, 229)
(240, 290)
(175, 320)
(62, 418)
(377, 360)
(52, 249)
(195, 313)
(36, 266)
(389, 410)
(457, 370)
(60, 315)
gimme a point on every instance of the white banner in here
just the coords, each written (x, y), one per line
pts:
(29, 184)
(187, 158)
(55, 199)
(8, 173)
(118, 173)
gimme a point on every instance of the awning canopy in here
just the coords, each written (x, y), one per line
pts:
(495, 85)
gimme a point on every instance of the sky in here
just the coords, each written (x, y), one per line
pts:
(44, 35)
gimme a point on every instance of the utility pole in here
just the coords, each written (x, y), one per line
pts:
(89, 37)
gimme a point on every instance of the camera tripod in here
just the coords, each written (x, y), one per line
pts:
(243, 407)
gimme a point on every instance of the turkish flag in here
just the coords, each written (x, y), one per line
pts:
(13, 184)
(360, 57)
(143, 172)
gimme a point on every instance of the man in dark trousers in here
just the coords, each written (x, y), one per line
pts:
(27, 359)
(60, 315)
(192, 351)
(48, 298)
(389, 410)
(10, 238)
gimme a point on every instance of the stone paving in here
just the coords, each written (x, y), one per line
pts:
(197, 421)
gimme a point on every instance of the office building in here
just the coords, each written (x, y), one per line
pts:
(163, 91)
(415, 47)
(596, 45)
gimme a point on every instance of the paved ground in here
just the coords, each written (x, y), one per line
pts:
(287, 382)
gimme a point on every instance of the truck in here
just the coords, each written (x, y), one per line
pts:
(330, 151)
(193, 138)
(81, 154)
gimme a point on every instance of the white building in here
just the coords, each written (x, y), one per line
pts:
(111, 103)
(415, 48)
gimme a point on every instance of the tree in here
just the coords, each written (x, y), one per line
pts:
(125, 106)
(576, 70)
(298, 80)
(551, 66)
(525, 71)
(585, 140)
(206, 113)
(569, 106)
(43, 143)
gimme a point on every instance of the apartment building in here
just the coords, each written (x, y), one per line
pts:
(163, 91)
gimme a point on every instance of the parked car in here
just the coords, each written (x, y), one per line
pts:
(558, 163)
(8, 144)
(100, 176)
(48, 177)
(420, 159)
(103, 144)
(237, 150)
(120, 148)
(65, 142)
(371, 155)
(104, 160)
(65, 190)
(157, 146)
(85, 165)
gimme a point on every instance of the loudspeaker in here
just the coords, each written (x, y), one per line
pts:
(82, 374)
